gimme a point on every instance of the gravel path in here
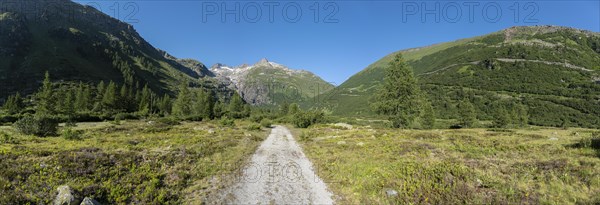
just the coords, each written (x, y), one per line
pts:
(279, 173)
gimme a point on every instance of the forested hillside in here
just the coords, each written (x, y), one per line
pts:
(553, 71)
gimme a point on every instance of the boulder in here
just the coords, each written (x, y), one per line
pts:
(343, 125)
(66, 196)
(89, 201)
(391, 193)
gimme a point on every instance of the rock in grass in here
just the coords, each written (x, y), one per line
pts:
(343, 125)
(66, 196)
(391, 193)
(89, 201)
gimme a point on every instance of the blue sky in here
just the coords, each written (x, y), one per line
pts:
(339, 40)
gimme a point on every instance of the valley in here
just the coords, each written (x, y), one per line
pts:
(92, 113)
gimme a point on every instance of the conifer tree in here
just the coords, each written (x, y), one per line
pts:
(399, 96)
(218, 109)
(236, 106)
(284, 109)
(144, 101)
(466, 112)
(69, 103)
(82, 98)
(428, 119)
(46, 104)
(521, 115)
(165, 105)
(209, 104)
(199, 105)
(14, 104)
(109, 98)
(100, 89)
(501, 117)
(293, 109)
(181, 106)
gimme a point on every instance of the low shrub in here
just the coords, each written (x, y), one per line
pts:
(253, 127)
(266, 123)
(7, 138)
(70, 134)
(168, 121)
(304, 136)
(306, 119)
(195, 118)
(227, 122)
(40, 126)
(501, 130)
(257, 118)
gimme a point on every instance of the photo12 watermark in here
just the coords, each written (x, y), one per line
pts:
(42, 11)
(469, 11)
(270, 12)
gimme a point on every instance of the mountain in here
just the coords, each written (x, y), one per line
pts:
(554, 71)
(79, 43)
(269, 83)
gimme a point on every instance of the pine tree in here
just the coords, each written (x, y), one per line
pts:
(199, 105)
(181, 106)
(164, 105)
(247, 111)
(100, 88)
(14, 104)
(124, 99)
(284, 109)
(428, 119)
(46, 104)
(209, 104)
(236, 106)
(293, 109)
(466, 112)
(501, 116)
(522, 117)
(144, 101)
(399, 96)
(218, 109)
(69, 103)
(109, 98)
(82, 98)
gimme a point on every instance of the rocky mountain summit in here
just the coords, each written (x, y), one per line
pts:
(270, 83)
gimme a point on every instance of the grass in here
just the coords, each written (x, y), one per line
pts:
(136, 162)
(472, 166)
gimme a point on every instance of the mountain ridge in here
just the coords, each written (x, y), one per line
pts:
(493, 64)
(79, 43)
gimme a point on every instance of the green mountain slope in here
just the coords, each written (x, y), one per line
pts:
(79, 43)
(553, 70)
(266, 83)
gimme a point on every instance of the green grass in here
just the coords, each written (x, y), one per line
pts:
(472, 166)
(134, 162)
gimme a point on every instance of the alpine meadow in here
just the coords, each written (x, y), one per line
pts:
(464, 110)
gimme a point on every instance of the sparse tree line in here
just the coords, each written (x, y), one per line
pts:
(40, 113)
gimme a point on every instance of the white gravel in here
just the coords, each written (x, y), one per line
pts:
(279, 173)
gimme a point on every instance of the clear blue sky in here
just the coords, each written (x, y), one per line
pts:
(358, 34)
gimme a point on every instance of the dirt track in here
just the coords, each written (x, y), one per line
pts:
(278, 173)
